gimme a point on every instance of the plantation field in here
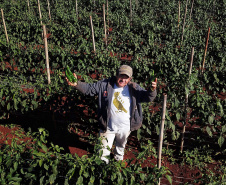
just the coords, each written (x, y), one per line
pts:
(49, 131)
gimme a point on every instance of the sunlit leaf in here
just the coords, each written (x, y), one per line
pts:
(221, 141)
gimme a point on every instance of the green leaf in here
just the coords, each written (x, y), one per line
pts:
(54, 168)
(80, 181)
(208, 130)
(92, 179)
(220, 107)
(41, 180)
(15, 179)
(41, 130)
(8, 106)
(139, 134)
(148, 131)
(223, 128)
(221, 141)
(15, 104)
(46, 167)
(113, 177)
(39, 154)
(44, 148)
(176, 102)
(15, 165)
(169, 179)
(86, 174)
(3, 103)
(187, 90)
(211, 119)
(40, 162)
(52, 178)
(142, 176)
(102, 181)
(178, 116)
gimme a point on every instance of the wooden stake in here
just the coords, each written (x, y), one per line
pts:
(178, 15)
(28, 4)
(46, 53)
(131, 13)
(161, 135)
(137, 4)
(184, 21)
(91, 22)
(76, 8)
(40, 13)
(204, 58)
(107, 17)
(191, 8)
(186, 102)
(49, 9)
(3, 20)
(105, 31)
(191, 60)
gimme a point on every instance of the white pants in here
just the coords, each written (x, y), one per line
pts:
(108, 137)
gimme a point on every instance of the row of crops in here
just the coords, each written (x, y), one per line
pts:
(146, 35)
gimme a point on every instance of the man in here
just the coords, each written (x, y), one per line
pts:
(119, 110)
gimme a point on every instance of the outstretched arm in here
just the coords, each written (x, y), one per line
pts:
(90, 89)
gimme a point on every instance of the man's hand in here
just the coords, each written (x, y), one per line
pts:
(154, 85)
(71, 83)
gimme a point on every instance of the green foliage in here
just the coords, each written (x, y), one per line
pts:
(149, 40)
(196, 158)
(32, 160)
(210, 177)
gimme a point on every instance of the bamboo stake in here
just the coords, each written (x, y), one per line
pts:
(184, 21)
(191, 61)
(191, 8)
(46, 53)
(49, 9)
(105, 31)
(204, 58)
(28, 4)
(137, 4)
(3, 20)
(131, 13)
(186, 102)
(76, 8)
(40, 13)
(107, 17)
(161, 132)
(91, 22)
(178, 15)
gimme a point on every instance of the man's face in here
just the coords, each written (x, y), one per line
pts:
(122, 80)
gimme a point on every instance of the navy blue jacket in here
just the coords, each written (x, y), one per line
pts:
(104, 90)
